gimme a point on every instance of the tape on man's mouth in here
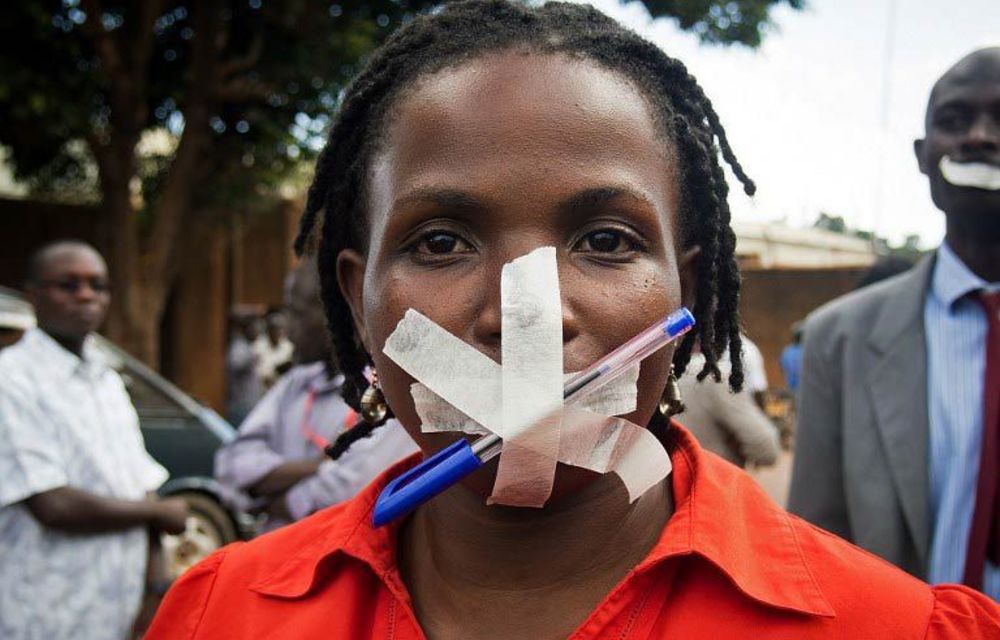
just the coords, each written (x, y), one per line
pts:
(461, 389)
(978, 175)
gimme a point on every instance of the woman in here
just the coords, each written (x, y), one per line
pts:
(474, 136)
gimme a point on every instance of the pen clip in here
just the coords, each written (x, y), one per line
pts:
(424, 481)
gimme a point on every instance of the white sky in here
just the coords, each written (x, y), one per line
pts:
(805, 112)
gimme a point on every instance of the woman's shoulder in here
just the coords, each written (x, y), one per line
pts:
(215, 598)
(784, 560)
(280, 553)
(864, 588)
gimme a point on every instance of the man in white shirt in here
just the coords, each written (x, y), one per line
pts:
(76, 502)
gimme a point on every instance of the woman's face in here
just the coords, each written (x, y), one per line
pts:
(483, 163)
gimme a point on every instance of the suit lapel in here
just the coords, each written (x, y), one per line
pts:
(898, 387)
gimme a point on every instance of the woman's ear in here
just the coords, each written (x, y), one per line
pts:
(351, 279)
(688, 270)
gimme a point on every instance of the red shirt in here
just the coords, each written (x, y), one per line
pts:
(729, 563)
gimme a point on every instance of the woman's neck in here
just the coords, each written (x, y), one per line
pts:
(458, 556)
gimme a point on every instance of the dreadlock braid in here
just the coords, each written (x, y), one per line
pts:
(463, 31)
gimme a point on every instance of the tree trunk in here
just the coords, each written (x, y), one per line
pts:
(138, 289)
(144, 264)
(123, 247)
(137, 298)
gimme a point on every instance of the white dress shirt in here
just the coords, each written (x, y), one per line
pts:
(67, 421)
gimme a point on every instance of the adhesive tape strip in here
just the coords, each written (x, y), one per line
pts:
(604, 445)
(462, 389)
(979, 175)
(438, 415)
(532, 373)
(449, 367)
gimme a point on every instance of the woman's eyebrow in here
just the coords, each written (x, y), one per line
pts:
(450, 199)
(586, 201)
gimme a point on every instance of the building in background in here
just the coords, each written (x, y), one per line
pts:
(776, 246)
(788, 272)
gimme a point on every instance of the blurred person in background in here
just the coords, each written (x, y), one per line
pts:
(274, 349)
(899, 404)
(77, 504)
(754, 371)
(278, 455)
(791, 359)
(726, 423)
(755, 374)
(243, 385)
(885, 267)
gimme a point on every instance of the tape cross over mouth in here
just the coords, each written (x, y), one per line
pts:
(461, 389)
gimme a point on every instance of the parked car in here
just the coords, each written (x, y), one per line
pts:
(183, 435)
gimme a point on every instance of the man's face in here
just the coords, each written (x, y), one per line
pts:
(71, 295)
(963, 123)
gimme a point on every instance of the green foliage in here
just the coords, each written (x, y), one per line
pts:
(54, 88)
(831, 223)
(743, 22)
(909, 249)
(56, 93)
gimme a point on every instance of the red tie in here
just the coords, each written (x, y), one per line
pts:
(984, 536)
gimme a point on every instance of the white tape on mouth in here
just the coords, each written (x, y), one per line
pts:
(461, 389)
(978, 175)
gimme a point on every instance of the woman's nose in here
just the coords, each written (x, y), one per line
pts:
(488, 323)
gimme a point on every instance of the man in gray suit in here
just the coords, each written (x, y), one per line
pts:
(894, 379)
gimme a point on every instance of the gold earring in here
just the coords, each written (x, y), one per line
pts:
(670, 402)
(373, 406)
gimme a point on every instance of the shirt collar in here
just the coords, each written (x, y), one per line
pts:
(60, 360)
(952, 280)
(726, 518)
(721, 516)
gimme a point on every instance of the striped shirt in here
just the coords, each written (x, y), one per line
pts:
(955, 327)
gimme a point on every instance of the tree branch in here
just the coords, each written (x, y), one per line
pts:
(140, 48)
(99, 150)
(242, 90)
(105, 42)
(120, 79)
(175, 199)
(239, 64)
(145, 37)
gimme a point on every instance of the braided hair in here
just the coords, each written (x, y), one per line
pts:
(463, 31)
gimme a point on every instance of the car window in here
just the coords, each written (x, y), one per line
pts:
(146, 397)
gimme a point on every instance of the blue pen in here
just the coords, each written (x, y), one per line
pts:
(451, 464)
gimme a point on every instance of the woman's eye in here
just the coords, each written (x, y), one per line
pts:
(441, 243)
(606, 241)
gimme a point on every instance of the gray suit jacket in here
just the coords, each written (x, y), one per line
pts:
(861, 452)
